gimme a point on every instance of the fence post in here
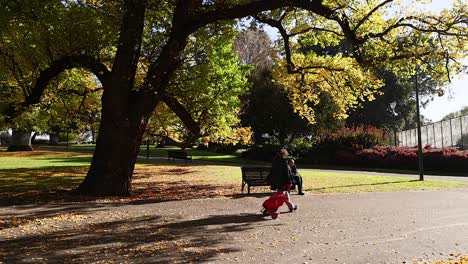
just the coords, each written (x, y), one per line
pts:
(406, 139)
(433, 134)
(442, 133)
(408, 135)
(395, 137)
(461, 132)
(451, 133)
(427, 135)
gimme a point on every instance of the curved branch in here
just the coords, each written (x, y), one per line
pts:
(287, 48)
(316, 29)
(291, 67)
(183, 114)
(255, 7)
(58, 66)
(365, 18)
(403, 22)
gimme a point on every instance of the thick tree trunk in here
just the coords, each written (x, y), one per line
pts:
(114, 158)
(20, 141)
(122, 120)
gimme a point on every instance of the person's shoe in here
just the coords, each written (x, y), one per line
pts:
(293, 209)
(301, 193)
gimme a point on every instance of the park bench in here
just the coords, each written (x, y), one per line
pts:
(178, 154)
(255, 176)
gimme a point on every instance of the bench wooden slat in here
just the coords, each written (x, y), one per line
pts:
(255, 176)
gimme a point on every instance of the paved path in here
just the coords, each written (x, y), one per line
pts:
(359, 228)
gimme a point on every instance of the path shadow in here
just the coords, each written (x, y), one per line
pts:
(143, 239)
(256, 195)
(29, 206)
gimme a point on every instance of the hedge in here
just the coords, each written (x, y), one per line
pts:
(446, 159)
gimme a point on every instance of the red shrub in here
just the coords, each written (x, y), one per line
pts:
(446, 159)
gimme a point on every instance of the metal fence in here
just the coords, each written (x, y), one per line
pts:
(446, 133)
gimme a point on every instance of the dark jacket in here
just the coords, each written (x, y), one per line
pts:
(280, 173)
(294, 170)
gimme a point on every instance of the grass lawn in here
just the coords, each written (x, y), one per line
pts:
(29, 174)
(335, 182)
(162, 152)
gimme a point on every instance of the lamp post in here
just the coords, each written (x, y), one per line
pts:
(418, 121)
(393, 106)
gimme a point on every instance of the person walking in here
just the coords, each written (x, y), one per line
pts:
(281, 176)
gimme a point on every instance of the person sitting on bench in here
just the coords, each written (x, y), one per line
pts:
(296, 177)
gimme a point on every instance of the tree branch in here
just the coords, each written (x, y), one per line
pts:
(183, 114)
(317, 29)
(128, 50)
(291, 67)
(58, 66)
(287, 48)
(368, 15)
(254, 7)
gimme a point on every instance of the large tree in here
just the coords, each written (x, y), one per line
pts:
(155, 33)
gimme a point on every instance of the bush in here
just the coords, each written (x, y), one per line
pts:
(446, 159)
(361, 137)
(342, 140)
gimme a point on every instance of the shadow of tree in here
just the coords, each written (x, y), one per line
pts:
(357, 185)
(145, 239)
(30, 179)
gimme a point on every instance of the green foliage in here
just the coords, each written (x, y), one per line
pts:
(267, 109)
(39, 32)
(34, 34)
(208, 85)
(73, 103)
